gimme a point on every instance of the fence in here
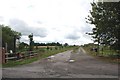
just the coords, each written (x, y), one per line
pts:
(17, 56)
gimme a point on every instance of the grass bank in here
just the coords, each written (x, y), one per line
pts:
(42, 53)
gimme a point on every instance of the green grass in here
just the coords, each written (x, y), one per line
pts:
(42, 54)
(105, 55)
(21, 62)
(90, 52)
(75, 50)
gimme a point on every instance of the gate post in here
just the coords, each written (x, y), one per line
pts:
(3, 55)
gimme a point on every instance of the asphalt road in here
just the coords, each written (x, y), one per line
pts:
(64, 65)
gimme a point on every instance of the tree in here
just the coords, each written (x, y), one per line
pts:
(22, 45)
(9, 36)
(105, 17)
(31, 42)
(66, 44)
(58, 44)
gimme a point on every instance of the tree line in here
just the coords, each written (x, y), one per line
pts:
(48, 44)
(9, 37)
(23, 44)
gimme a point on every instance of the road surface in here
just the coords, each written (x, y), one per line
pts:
(65, 65)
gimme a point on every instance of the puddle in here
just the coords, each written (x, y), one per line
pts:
(71, 61)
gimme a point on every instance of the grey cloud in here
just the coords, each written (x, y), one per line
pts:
(25, 29)
(86, 29)
(81, 30)
(25, 38)
(72, 36)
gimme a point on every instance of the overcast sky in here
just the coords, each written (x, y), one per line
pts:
(49, 20)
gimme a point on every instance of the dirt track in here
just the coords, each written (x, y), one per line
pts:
(58, 66)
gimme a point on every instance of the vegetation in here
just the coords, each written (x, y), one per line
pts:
(31, 45)
(48, 44)
(75, 50)
(9, 37)
(105, 17)
(42, 53)
(23, 47)
(105, 53)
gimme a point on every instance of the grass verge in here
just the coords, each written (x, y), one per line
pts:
(103, 57)
(41, 55)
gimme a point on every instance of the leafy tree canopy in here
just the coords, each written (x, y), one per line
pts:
(8, 36)
(106, 18)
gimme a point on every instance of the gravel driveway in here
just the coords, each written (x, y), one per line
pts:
(64, 65)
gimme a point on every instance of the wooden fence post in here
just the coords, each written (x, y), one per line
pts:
(3, 55)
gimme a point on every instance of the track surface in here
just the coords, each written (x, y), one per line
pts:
(59, 66)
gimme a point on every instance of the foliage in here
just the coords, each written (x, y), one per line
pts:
(8, 36)
(48, 44)
(22, 45)
(31, 42)
(105, 17)
(107, 54)
(66, 44)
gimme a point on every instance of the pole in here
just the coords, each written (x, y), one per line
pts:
(14, 43)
